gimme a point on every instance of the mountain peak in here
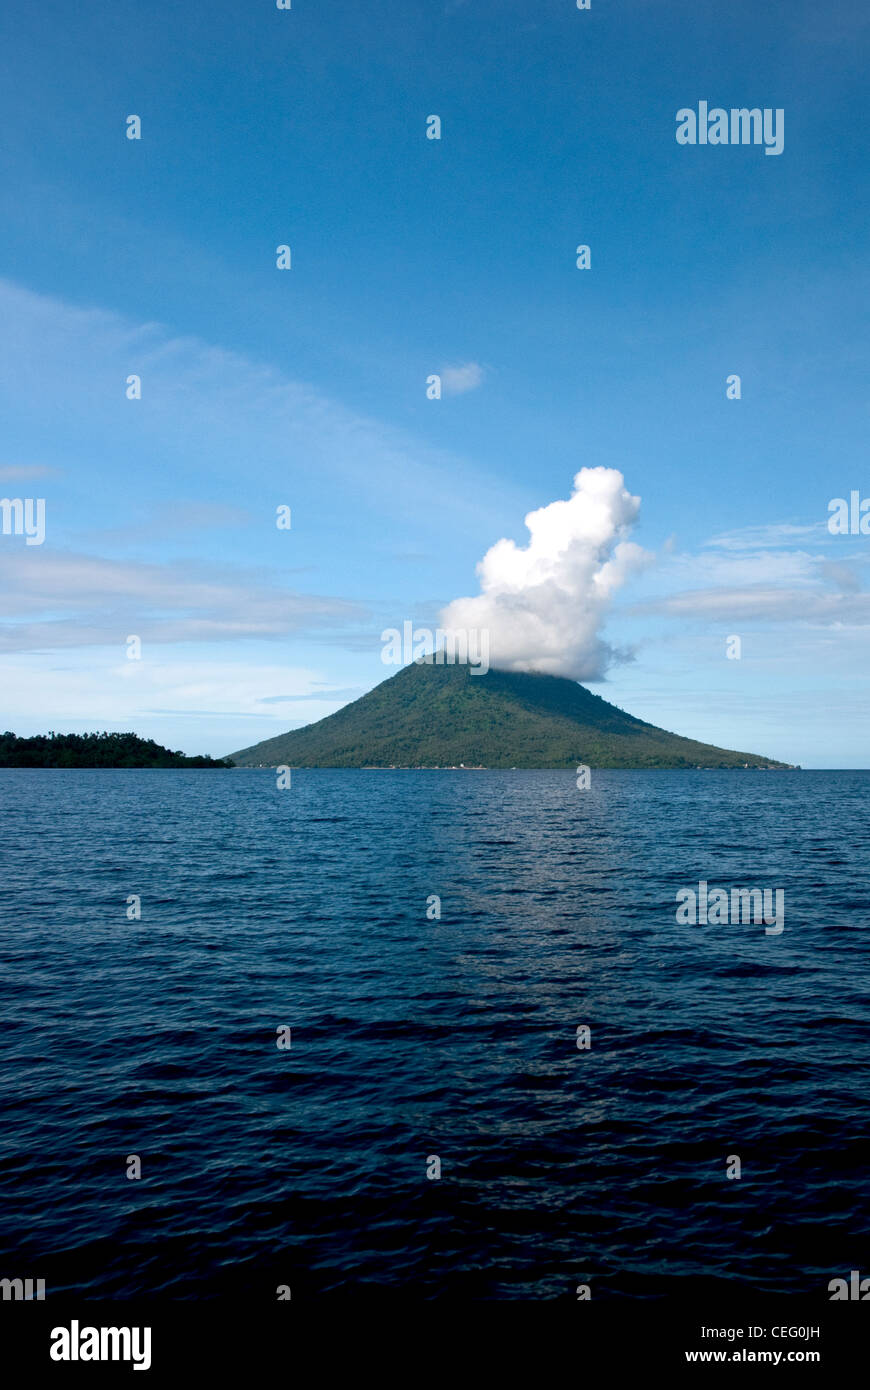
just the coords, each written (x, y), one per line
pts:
(439, 715)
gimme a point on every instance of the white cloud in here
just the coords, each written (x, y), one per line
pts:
(102, 691)
(457, 380)
(338, 695)
(24, 472)
(214, 417)
(71, 600)
(751, 575)
(543, 604)
(766, 537)
(771, 604)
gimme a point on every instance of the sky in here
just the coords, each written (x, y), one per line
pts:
(306, 387)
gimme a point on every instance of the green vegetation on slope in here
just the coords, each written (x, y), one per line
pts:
(94, 750)
(439, 716)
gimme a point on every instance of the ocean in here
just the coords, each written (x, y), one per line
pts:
(436, 943)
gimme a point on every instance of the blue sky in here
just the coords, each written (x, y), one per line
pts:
(411, 256)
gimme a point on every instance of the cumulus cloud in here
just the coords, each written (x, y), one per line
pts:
(544, 604)
(457, 380)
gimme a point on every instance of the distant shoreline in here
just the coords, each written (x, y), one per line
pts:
(596, 767)
(97, 751)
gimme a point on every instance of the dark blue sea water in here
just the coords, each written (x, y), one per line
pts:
(412, 1038)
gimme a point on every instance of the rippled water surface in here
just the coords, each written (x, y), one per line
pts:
(412, 1037)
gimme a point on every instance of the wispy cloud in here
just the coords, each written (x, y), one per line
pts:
(756, 575)
(328, 696)
(457, 380)
(83, 600)
(214, 419)
(773, 536)
(106, 690)
(191, 516)
(24, 472)
(779, 605)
